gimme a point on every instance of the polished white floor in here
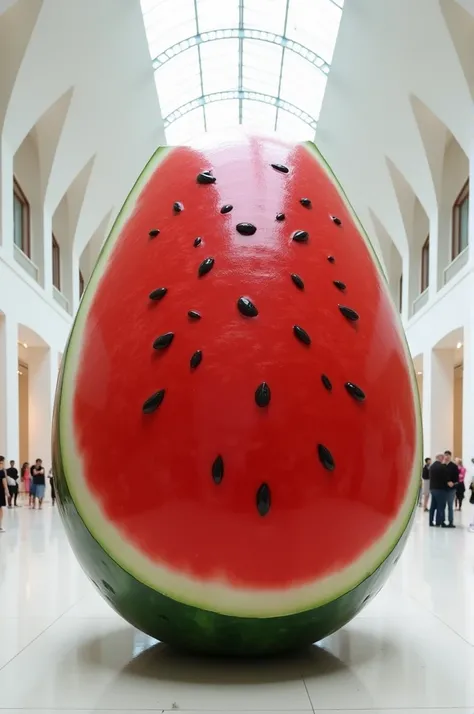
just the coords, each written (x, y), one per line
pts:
(63, 650)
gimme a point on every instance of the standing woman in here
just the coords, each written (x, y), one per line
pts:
(460, 486)
(3, 491)
(25, 478)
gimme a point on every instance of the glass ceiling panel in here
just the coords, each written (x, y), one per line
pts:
(220, 64)
(182, 131)
(265, 15)
(179, 81)
(302, 84)
(262, 63)
(222, 115)
(217, 14)
(259, 62)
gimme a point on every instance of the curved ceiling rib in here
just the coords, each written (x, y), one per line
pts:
(261, 63)
(241, 34)
(241, 95)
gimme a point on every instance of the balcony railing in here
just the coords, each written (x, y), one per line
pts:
(61, 299)
(455, 266)
(420, 301)
(25, 262)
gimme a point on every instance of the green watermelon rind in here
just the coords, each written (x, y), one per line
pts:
(208, 597)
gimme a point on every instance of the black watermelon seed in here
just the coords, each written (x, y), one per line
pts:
(349, 313)
(227, 208)
(326, 458)
(263, 500)
(336, 220)
(196, 359)
(331, 259)
(163, 341)
(306, 202)
(197, 241)
(297, 281)
(263, 395)
(194, 315)
(339, 285)
(326, 382)
(246, 229)
(158, 294)
(153, 233)
(280, 216)
(218, 470)
(280, 167)
(205, 177)
(246, 307)
(152, 403)
(301, 335)
(300, 236)
(205, 267)
(177, 206)
(356, 392)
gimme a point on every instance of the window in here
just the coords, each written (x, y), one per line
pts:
(81, 284)
(21, 219)
(56, 264)
(461, 222)
(425, 265)
(400, 294)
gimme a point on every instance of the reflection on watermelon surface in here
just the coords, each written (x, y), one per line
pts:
(237, 428)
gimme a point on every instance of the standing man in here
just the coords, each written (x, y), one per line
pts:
(39, 481)
(12, 480)
(438, 491)
(453, 479)
(426, 484)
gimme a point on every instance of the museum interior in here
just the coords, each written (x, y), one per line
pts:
(92, 607)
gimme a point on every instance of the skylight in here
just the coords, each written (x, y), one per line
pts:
(261, 63)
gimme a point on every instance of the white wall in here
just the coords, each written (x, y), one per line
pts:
(79, 118)
(397, 126)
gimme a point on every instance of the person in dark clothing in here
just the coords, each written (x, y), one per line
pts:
(12, 480)
(453, 480)
(3, 491)
(438, 491)
(426, 484)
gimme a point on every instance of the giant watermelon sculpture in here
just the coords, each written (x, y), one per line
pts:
(237, 445)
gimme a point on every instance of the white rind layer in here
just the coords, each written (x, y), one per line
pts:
(217, 595)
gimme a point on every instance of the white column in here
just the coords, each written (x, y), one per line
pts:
(42, 376)
(9, 417)
(434, 279)
(45, 250)
(6, 201)
(406, 306)
(73, 281)
(438, 401)
(468, 391)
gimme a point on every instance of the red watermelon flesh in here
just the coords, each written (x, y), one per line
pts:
(210, 484)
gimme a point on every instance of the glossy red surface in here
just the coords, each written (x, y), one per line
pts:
(152, 473)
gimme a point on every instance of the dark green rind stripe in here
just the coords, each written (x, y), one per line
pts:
(191, 628)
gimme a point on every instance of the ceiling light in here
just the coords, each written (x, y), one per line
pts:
(459, 345)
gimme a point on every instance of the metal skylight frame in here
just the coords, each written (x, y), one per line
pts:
(241, 95)
(241, 33)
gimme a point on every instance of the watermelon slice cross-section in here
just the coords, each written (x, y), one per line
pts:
(237, 433)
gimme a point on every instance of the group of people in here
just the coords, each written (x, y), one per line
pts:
(33, 480)
(444, 488)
